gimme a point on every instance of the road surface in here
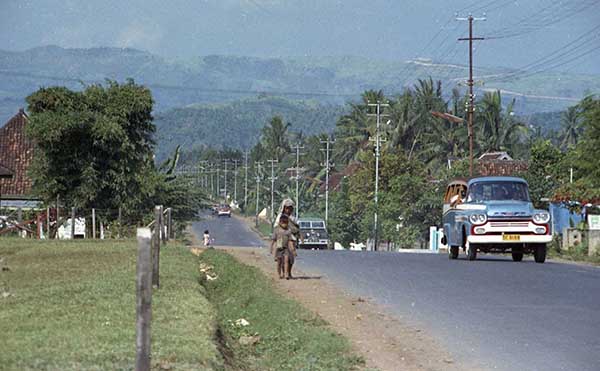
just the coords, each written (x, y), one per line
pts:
(491, 312)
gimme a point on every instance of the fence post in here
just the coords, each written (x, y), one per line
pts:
(48, 223)
(72, 223)
(143, 300)
(162, 225)
(120, 222)
(57, 216)
(93, 223)
(169, 223)
(156, 248)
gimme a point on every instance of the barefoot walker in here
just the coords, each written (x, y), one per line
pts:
(282, 247)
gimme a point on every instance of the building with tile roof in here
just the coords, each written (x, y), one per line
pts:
(16, 155)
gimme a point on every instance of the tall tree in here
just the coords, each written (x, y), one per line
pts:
(571, 126)
(275, 138)
(94, 147)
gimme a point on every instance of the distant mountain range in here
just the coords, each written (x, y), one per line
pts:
(226, 79)
(238, 124)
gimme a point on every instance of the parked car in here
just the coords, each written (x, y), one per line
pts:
(494, 215)
(314, 234)
(224, 210)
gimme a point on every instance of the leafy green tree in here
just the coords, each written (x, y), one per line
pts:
(95, 147)
(544, 173)
(275, 139)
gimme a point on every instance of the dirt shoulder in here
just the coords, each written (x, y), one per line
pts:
(385, 342)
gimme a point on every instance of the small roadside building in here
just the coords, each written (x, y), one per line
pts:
(16, 155)
(500, 164)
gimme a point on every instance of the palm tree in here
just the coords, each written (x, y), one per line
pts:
(275, 138)
(354, 129)
(497, 130)
(571, 127)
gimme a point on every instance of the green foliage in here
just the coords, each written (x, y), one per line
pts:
(72, 307)
(94, 147)
(291, 337)
(239, 124)
(544, 173)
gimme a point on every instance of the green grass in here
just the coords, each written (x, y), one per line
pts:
(265, 229)
(72, 306)
(291, 338)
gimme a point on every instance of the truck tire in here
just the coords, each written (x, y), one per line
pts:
(517, 254)
(453, 252)
(471, 251)
(539, 254)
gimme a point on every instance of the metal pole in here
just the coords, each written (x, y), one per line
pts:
(257, 192)
(298, 148)
(218, 184)
(328, 166)
(378, 141)
(225, 170)
(235, 180)
(245, 179)
(273, 162)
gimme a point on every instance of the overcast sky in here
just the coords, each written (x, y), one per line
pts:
(387, 29)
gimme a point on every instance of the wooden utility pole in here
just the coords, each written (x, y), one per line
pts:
(470, 83)
(258, 165)
(245, 179)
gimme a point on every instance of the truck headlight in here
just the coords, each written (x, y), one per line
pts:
(541, 218)
(478, 219)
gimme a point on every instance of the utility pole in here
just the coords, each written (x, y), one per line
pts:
(297, 147)
(218, 183)
(471, 108)
(273, 178)
(245, 179)
(225, 162)
(328, 165)
(211, 170)
(378, 140)
(235, 162)
(258, 165)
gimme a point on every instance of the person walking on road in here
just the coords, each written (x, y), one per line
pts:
(287, 208)
(283, 248)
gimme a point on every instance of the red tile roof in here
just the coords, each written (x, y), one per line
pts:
(16, 154)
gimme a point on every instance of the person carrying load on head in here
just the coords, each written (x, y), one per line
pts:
(287, 208)
(282, 247)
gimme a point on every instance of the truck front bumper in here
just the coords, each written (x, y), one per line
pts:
(499, 239)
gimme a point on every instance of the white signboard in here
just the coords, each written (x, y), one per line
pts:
(594, 222)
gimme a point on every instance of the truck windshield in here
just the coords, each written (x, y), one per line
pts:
(498, 191)
(318, 225)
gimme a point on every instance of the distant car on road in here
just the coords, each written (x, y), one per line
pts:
(224, 210)
(494, 215)
(314, 234)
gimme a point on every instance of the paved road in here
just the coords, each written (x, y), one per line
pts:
(493, 312)
(227, 231)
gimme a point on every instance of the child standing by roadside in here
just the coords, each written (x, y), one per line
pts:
(282, 247)
(206, 238)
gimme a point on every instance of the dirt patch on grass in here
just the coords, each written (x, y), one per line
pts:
(384, 342)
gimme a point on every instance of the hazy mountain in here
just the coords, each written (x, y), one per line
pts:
(517, 32)
(213, 79)
(238, 124)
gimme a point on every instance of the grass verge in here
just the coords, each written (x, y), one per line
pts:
(265, 229)
(289, 337)
(71, 305)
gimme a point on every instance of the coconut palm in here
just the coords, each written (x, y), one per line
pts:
(497, 129)
(275, 138)
(571, 127)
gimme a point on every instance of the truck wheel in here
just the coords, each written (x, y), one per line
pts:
(471, 251)
(517, 254)
(539, 253)
(453, 252)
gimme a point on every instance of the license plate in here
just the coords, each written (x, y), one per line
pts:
(511, 237)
